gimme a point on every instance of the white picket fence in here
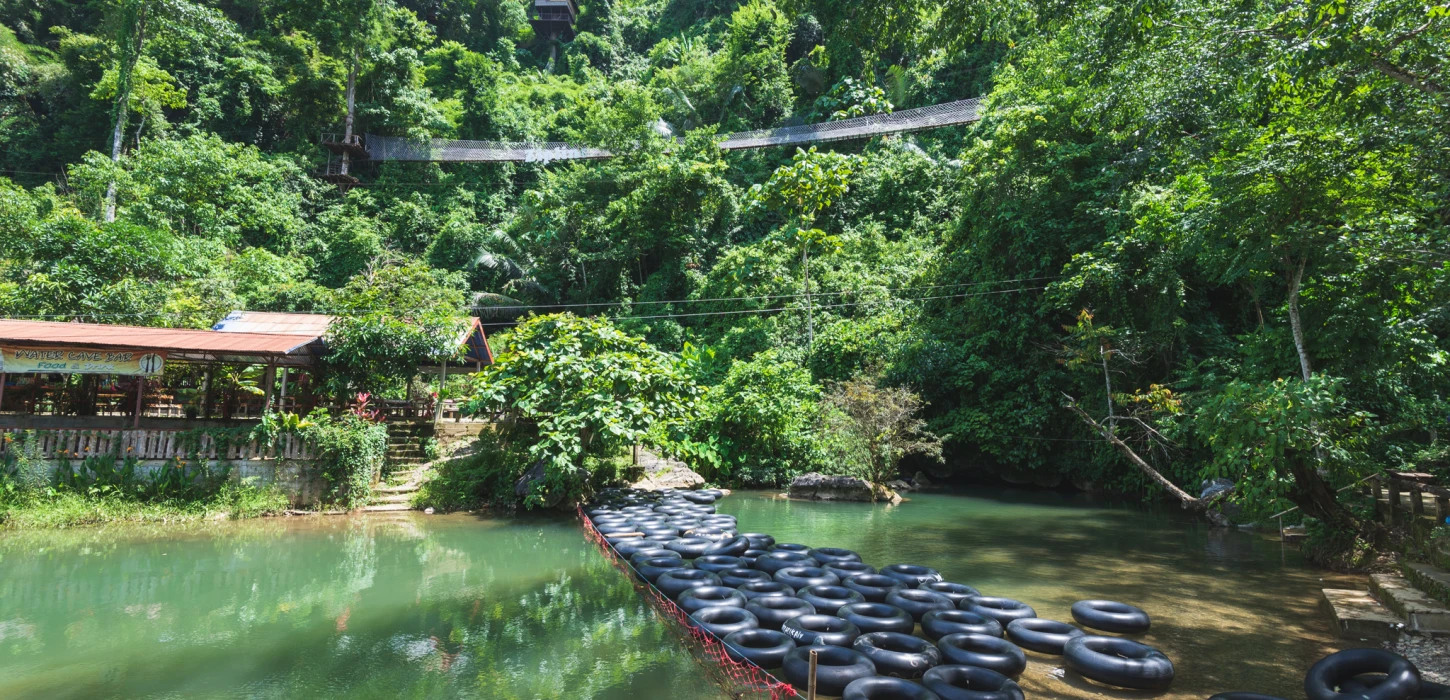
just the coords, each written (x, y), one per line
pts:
(151, 444)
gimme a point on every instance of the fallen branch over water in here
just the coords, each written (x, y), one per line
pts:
(1187, 500)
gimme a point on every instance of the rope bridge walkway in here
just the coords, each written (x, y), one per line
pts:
(381, 148)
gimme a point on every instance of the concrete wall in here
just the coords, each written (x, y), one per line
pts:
(297, 478)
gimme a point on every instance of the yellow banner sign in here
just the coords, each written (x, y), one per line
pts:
(16, 360)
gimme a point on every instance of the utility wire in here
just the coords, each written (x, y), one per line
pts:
(359, 312)
(765, 296)
(847, 305)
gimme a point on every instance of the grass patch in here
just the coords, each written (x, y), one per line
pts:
(57, 509)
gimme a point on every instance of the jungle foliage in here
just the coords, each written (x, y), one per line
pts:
(1248, 199)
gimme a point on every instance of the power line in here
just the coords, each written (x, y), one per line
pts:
(360, 312)
(756, 298)
(531, 307)
(802, 308)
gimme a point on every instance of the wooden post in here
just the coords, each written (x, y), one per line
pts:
(1442, 509)
(1394, 498)
(2, 391)
(283, 398)
(140, 402)
(269, 381)
(1417, 501)
(811, 691)
(442, 382)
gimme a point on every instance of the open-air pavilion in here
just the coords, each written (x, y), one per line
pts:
(85, 377)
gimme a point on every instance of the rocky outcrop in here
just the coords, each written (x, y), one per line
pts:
(665, 473)
(821, 487)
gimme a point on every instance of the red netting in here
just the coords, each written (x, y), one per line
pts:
(738, 679)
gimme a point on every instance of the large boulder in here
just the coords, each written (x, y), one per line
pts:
(822, 487)
(665, 473)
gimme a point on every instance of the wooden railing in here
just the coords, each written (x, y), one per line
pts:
(151, 444)
(1390, 485)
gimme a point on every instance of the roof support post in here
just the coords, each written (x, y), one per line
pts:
(140, 402)
(269, 382)
(442, 382)
(2, 391)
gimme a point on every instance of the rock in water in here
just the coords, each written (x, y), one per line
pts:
(920, 481)
(822, 487)
(665, 473)
(898, 485)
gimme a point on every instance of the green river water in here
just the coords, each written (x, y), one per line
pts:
(418, 606)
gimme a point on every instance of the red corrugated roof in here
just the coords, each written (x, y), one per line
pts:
(98, 335)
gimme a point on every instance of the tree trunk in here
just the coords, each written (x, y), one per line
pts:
(1315, 497)
(1296, 281)
(125, 69)
(351, 110)
(810, 315)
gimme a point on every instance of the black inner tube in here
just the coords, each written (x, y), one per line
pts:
(773, 611)
(1041, 636)
(918, 602)
(955, 682)
(912, 575)
(722, 620)
(716, 563)
(799, 577)
(827, 630)
(1110, 616)
(757, 589)
(673, 583)
(877, 617)
(940, 623)
(847, 569)
(957, 592)
(828, 599)
(1402, 678)
(693, 599)
(764, 648)
(897, 654)
(1003, 610)
(875, 587)
(739, 576)
(775, 561)
(880, 688)
(836, 668)
(831, 555)
(994, 653)
(1120, 662)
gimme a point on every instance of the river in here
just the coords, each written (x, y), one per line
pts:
(463, 606)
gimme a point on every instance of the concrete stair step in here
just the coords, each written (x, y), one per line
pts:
(1433, 581)
(1357, 615)
(387, 508)
(399, 497)
(1421, 612)
(410, 487)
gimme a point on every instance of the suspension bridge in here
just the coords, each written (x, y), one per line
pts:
(392, 148)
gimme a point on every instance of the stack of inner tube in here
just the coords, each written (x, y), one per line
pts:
(897, 631)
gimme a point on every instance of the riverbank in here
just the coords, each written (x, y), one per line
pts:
(66, 509)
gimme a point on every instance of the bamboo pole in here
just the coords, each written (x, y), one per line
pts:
(811, 691)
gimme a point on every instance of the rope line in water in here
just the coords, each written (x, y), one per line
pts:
(739, 678)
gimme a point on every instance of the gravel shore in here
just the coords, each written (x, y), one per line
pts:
(1432, 656)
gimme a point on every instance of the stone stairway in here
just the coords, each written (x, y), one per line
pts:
(397, 492)
(1417, 602)
(408, 464)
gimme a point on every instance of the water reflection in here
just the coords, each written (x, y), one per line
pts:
(1233, 610)
(416, 607)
